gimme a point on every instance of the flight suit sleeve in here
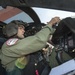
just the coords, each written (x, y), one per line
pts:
(32, 43)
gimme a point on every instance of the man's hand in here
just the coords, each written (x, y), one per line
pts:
(54, 21)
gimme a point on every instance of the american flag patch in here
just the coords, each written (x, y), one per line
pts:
(11, 41)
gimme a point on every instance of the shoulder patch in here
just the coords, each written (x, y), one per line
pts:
(11, 41)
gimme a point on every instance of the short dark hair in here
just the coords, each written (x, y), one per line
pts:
(20, 22)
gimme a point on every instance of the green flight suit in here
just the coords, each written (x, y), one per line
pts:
(23, 47)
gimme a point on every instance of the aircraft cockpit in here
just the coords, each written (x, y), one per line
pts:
(63, 39)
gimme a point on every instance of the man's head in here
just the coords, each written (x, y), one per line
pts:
(15, 28)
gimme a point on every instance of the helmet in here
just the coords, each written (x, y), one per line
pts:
(11, 28)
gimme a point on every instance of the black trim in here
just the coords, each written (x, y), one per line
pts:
(31, 13)
(67, 5)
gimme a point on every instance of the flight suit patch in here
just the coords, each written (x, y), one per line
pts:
(11, 41)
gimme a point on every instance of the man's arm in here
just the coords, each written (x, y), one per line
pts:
(34, 43)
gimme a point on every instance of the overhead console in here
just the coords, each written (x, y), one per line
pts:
(65, 35)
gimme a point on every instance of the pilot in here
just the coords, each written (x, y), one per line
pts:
(15, 50)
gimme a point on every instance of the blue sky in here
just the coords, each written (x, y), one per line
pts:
(47, 14)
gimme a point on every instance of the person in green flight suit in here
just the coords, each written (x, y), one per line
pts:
(15, 50)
